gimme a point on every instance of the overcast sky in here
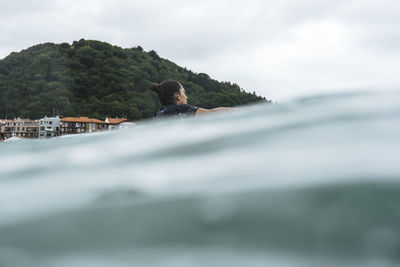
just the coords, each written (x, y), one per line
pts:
(278, 48)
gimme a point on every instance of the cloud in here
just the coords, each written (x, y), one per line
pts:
(277, 48)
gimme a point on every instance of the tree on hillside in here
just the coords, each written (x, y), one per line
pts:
(96, 79)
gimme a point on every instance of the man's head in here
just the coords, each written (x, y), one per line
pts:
(170, 92)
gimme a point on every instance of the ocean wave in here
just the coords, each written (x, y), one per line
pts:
(309, 182)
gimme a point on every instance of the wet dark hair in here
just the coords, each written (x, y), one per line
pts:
(166, 91)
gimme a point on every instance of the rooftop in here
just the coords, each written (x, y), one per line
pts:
(117, 120)
(81, 119)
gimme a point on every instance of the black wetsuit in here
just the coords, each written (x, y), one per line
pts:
(177, 111)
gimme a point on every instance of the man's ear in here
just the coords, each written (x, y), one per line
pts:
(176, 96)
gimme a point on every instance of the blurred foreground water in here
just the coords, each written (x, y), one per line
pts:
(312, 182)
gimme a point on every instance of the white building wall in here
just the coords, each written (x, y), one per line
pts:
(49, 127)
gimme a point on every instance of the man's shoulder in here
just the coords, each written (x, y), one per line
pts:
(174, 109)
(186, 107)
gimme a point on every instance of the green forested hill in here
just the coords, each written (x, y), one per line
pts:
(96, 79)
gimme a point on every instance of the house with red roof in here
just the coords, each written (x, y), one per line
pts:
(119, 123)
(77, 125)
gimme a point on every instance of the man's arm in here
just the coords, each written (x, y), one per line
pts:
(201, 111)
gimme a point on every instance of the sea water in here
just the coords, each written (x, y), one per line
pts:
(311, 182)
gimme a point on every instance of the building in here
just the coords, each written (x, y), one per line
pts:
(119, 123)
(77, 125)
(49, 127)
(3, 123)
(20, 128)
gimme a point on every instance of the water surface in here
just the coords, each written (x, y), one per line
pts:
(311, 182)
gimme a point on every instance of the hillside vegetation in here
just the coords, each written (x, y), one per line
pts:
(96, 79)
